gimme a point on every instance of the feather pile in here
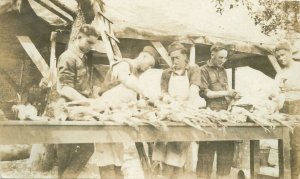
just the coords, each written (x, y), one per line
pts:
(161, 115)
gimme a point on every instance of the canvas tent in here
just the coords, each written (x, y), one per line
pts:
(136, 23)
(170, 20)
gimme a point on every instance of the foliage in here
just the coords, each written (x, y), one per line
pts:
(270, 15)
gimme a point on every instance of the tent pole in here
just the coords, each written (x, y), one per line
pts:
(21, 79)
(233, 69)
(274, 63)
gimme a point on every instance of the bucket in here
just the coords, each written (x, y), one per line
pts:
(264, 156)
(291, 107)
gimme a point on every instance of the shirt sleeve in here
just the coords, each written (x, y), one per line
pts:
(204, 84)
(66, 71)
(121, 70)
(195, 76)
(165, 78)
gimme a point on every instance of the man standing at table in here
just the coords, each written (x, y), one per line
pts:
(74, 83)
(289, 83)
(180, 83)
(214, 89)
(121, 86)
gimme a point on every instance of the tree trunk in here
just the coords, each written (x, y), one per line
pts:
(14, 152)
(42, 157)
(85, 14)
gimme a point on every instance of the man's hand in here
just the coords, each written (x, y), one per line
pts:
(233, 94)
(167, 98)
(197, 102)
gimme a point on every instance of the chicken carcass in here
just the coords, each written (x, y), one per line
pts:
(25, 112)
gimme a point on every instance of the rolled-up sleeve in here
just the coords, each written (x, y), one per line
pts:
(66, 71)
(165, 78)
(204, 84)
(195, 76)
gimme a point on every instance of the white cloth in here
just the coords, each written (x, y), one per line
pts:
(174, 153)
(289, 79)
(112, 153)
(179, 86)
(171, 153)
(118, 95)
(108, 154)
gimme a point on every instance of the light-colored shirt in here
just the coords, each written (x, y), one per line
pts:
(289, 80)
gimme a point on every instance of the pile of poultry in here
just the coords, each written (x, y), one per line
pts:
(163, 114)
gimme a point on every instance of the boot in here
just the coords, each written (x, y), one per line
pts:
(295, 163)
(111, 171)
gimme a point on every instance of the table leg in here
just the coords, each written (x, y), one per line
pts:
(284, 156)
(254, 158)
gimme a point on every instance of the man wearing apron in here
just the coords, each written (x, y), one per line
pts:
(180, 83)
(214, 88)
(74, 83)
(121, 84)
(289, 83)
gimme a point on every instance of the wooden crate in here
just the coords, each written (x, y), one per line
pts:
(291, 107)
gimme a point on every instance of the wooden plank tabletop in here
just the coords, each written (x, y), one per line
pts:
(29, 132)
(92, 123)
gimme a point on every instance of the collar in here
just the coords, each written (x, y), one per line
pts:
(210, 64)
(187, 67)
(77, 51)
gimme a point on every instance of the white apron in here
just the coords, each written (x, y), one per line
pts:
(108, 154)
(174, 153)
(112, 153)
(179, 86)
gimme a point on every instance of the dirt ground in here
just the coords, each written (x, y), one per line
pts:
(131, 168)
(19, 168)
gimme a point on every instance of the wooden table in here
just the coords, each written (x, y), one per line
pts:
(31, 132)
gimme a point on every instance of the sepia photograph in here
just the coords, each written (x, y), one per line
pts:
(150, 89)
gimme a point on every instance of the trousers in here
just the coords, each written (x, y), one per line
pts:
(225, 153)
(72, 158)
(111, 171)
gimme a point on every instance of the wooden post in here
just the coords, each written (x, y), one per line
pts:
(54, 11)
(64, 7)
(21, 79)
(162, 51)
(284, 156)
(193, 55)
(52, 73)
(233, 69)
(274, 63)
(34, 54)
(254, 158)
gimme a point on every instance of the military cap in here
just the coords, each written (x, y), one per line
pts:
(175, 46)
(218, 46)
(284, 45)
(152, 51)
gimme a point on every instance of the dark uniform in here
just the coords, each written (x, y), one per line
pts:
(215, 79)
(73, 71)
